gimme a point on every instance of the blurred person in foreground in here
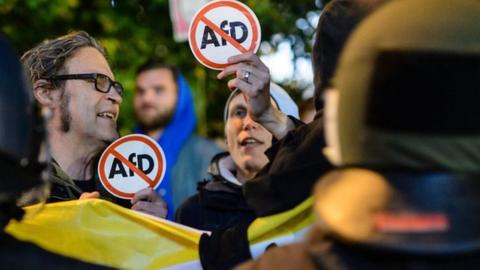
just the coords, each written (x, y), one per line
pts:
(402, 124)
(72, 78)
(219, 203)
(23, 154)
(164, 110)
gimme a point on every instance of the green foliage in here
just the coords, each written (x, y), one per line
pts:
(135, 30)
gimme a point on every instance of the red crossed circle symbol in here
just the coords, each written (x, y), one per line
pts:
(111, 150)
(200, 17)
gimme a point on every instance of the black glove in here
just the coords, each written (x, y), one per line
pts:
(225, 249)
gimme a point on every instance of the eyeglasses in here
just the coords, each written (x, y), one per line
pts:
(103, 83)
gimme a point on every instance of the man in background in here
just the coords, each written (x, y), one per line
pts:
(164, 110)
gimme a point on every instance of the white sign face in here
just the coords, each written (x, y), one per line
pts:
(222, 29)
(130, 164)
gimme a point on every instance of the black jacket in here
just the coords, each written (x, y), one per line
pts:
(63, 188)
(219, 204)
(296, 162)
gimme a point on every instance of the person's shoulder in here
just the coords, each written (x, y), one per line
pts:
(191, 202)
(185, 212)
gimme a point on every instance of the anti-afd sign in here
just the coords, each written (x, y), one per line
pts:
(130, 164)
(221, 29)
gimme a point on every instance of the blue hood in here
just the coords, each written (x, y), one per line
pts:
(174, 136)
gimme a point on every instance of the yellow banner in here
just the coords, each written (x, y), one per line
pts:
(98, 231)
(101, 232)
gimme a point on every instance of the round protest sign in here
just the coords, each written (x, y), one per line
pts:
(221, 29)
(130, 164)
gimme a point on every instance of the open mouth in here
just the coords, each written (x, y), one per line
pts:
(250, 141)
(108, 115)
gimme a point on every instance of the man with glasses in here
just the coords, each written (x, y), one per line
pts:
(72, 78)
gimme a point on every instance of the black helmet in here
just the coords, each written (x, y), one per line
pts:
(21, 133)
(408, 84)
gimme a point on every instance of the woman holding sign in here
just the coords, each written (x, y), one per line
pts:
(233, 52)
(219, 204)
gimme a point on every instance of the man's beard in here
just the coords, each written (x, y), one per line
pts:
(65, 116)
(66, 119)
(160, 121)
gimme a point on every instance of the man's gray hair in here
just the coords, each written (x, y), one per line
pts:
(48, 58)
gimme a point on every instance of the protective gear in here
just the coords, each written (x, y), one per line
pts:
(407, 111)
(21, 133)
(408, 89)
(403, 212)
